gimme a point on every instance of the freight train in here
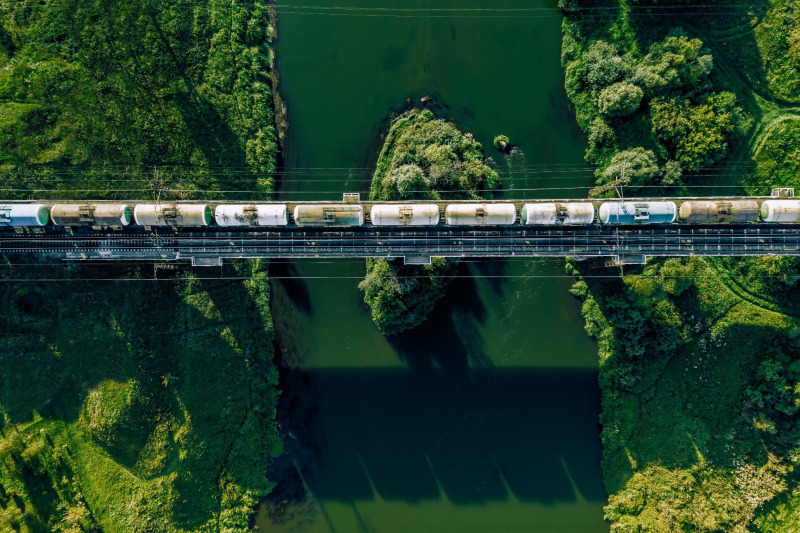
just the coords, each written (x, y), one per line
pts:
(466, 214)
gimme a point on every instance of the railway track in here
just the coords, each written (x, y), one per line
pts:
(415, 245)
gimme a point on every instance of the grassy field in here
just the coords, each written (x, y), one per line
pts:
(422, 158)
(135, 405)
(699, 359)
(147, 405)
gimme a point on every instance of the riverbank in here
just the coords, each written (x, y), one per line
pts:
(696, 356)
(136, 398)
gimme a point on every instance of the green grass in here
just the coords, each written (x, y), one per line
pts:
(154, 401)
(120, 87)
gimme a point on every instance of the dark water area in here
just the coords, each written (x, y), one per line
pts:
(485, 417)
(397, 450)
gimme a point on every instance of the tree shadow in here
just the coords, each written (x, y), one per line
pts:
(448, 339)
(493, 272)
(211, 134)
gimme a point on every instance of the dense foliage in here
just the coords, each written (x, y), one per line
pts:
(136, 406)
(700, 391)
(422, 158)
(660, 100)
(699, 359)
(119, 87)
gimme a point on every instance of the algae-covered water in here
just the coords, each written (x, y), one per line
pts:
(484, 418)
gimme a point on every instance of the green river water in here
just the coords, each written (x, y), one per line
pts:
(484, 419)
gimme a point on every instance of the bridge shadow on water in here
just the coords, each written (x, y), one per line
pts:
(491, 435)
(447, 426)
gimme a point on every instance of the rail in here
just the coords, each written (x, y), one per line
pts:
(416, 246)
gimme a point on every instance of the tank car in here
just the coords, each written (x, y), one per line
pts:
(91, 214)
(780, 210)
(329, 215)
(638, 212)
(719, 212)
(251, 215)
(404, 215)
(550, 214)
(172, 214)
(480, 214)
(21, 215)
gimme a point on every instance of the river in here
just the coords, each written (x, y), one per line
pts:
(485, 417)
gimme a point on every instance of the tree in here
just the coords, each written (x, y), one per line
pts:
(604, 66)
(672, 64)
(698, 134)
(406, 182)
(637, 165)
(620, 99)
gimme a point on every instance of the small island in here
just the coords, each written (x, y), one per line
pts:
(423, 158)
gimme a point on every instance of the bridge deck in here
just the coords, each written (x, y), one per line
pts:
(629, 244)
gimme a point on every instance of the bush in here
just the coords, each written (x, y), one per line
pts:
(673, 64)
(620, 99)
(501, 143)
(698, 134)
(636, 166)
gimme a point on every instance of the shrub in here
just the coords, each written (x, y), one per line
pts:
(672, 64)
(636, 166)
(620, 99)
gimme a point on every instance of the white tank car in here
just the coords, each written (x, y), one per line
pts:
(251, 215)
(24, 215)
(480, 214)
(638, 212)
(552, 214)
(91, 214)
(780, 210)
(404, 215)
(328, 215)
(172, 214)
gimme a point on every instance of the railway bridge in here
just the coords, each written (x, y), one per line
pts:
(719, 235)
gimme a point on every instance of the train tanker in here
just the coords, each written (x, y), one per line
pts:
(465, 214)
